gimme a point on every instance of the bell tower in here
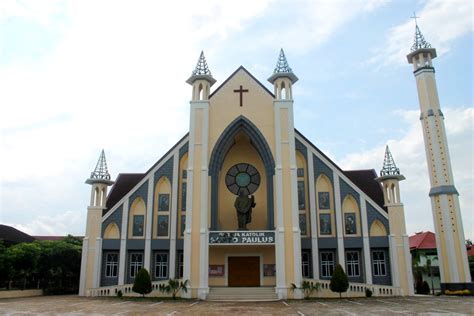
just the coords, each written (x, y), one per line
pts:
(92, 242)
(288, 234)
(450, 242)
(400, 257)
(196, 235)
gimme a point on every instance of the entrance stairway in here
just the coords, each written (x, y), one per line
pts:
(243, 294)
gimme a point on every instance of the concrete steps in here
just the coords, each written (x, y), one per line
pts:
(243, 294)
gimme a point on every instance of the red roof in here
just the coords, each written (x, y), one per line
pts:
(423, 240)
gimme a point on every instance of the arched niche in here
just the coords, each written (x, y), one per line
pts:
(137, 219)
(226, 141)
(377, 229)
(351, 216)
(162, 208)
(112, 231)
(325, 206)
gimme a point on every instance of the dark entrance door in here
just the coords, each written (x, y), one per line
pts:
(244, 271)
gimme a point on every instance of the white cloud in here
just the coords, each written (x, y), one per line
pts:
(409, 155)
(316, 21)
(455, 16)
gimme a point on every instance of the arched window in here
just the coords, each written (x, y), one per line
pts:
(351, 219)
(325, 206)
(162, 208)
(136, 219)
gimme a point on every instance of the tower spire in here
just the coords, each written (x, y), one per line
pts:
(201, 66)
(389, 168)
(201, 71)
(419, 42)
(282, 69)
(100, 173)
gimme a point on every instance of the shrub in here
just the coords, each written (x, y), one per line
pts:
(308, 288)
(119, 294)
(142, 284)
(368, 293)
(419, 287)
(174, 287)
(339, 282)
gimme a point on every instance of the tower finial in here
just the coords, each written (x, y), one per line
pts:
(282, 69)
(389, 168)
(201, 71)
(419, 41)
(100, 173)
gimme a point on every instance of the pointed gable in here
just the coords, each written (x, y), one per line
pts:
(255, 103)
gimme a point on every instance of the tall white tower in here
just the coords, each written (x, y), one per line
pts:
(92, 242)
(450, 242)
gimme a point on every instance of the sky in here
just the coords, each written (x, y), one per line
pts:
(80, 76)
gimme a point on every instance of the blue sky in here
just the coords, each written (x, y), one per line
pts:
(76, 77)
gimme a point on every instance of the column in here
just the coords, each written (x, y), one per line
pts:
(174, 215)
(339, 224)
(123, 244)
(366, 243)
(313, 217)
(149, 224)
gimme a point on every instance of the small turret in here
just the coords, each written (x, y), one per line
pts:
(201, 79)
(283, 78)
(100, 180)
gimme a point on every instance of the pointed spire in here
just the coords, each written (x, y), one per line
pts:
(201, 71)
(389, 168)
(282, 69)
(282, 63)
(419, 41)
(100, 173)
(201, 66)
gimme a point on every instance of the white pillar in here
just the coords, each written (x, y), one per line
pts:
(365, 239)
(339, 223)
(280, 229)
(82, 282)
(204, 217)
(174, 216)
(149, 222)
(123, 243)
(394, 260)
(313, 216)
(97, 263)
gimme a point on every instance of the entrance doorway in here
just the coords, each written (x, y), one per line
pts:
(244, 271)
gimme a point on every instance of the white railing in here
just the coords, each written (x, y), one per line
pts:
(126, 290)
(356, 290)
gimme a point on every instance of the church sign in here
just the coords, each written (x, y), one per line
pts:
(242, 238)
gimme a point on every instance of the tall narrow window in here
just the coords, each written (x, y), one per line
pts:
(378, 263)
(136, 263)
(161, 265)
(111, 265)
(138, 221)
(180, 267)
(352, 264)
(301, 195)
(306, 264)
(327, 264)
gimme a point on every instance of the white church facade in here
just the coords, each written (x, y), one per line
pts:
(245, 200)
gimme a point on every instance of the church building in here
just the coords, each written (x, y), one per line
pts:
(245, 200)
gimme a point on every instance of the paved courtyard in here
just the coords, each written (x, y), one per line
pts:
(74, 305)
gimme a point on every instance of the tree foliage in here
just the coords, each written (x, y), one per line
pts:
(53, 266)
(142, 283)
(339, 282)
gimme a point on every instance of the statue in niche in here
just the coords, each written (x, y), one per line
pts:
(243, 205)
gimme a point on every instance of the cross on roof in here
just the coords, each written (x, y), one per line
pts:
(415, 17)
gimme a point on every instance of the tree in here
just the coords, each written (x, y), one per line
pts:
(23, 261)
(339, 282)
(174, 287)
(142, 283)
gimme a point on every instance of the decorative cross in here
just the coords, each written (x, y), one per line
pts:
(415, 17)
(241, 91)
